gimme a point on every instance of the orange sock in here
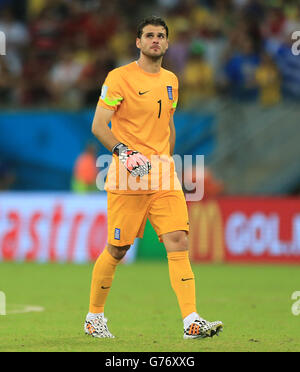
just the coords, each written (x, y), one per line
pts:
(102, 277)
(182, 281)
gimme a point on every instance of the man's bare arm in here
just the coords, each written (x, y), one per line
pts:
(172, 136)
(101, 130)
(136, 163)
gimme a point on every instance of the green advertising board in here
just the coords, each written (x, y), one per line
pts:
(150, 248)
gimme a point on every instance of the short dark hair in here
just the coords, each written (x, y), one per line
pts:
(154, 21)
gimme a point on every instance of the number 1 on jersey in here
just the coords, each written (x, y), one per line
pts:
(159, 111)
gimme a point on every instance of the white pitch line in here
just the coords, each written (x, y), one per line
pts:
(25, 309)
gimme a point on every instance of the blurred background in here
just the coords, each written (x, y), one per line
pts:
(239, 97)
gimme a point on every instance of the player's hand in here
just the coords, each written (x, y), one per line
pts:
(136, 163)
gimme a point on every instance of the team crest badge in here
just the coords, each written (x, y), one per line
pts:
(170, 92)
(117, 234)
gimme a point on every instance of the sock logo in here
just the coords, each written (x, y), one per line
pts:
(104, 287)
(184, 280)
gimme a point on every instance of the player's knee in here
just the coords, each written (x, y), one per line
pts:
(118, 252)
(176, 241)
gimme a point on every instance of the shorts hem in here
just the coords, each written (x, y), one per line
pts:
(121, 244)
(169, 230)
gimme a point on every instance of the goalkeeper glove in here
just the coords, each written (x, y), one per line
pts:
(136, 163)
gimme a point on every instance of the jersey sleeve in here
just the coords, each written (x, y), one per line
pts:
(175, 95)
(111, 93)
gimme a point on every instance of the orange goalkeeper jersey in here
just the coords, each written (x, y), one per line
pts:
(143, 104)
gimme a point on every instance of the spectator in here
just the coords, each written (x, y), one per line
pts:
(17, 38)
(292, 22)
(93, 75)
(85, 171)
(198, 78)
(46, 34)
(177, 53)
(74, 25)
(273, 25)
(34, 85)
(34, 7)
(240, 71)
(64, 77)
(59, 9)
(121, 43)
(289, 67)
(36, 45)
(6, 83)
(268, 80)
(99, 26)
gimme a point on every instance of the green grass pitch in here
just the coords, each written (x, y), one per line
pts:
(254, 303)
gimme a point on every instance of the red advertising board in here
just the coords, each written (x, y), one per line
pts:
(250, 230)
(58, 227)
(53, 227)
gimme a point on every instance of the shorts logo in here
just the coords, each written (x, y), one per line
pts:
(103, 91)
(117, 234)
(170, 93)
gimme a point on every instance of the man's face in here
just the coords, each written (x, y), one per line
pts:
(153, 42)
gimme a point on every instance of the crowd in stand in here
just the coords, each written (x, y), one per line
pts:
(58, 52)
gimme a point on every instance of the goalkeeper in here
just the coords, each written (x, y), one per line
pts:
(139, 99)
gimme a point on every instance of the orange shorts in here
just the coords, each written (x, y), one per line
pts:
(127, 215)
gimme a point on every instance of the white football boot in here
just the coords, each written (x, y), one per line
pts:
(97, 327)
(201, 328)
